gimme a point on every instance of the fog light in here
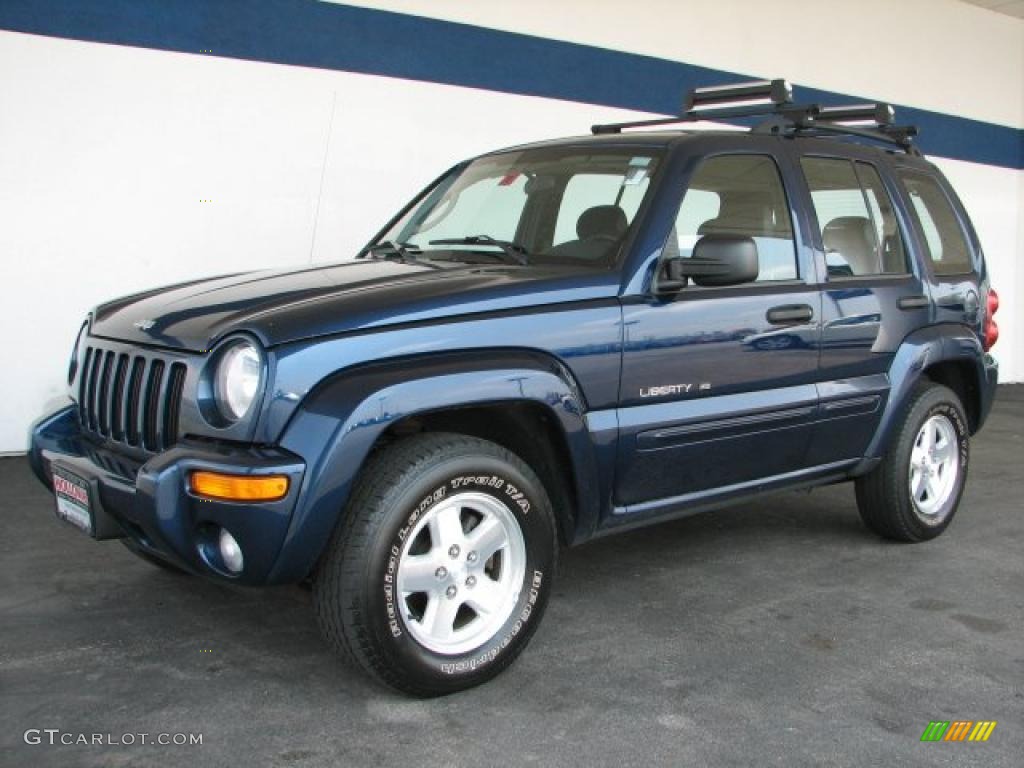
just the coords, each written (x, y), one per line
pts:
(230, 552)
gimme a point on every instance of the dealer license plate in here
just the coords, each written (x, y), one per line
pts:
(72, 493)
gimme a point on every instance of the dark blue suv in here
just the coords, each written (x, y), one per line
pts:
(550, 343)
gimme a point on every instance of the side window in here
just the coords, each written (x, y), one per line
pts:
(739, 195)
(883, 217)
(947, 245)
(589, 190)
(858, 225)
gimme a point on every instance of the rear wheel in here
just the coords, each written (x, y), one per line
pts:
(440, 571)
(914, 493)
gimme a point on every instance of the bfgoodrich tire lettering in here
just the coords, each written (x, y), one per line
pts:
(885, 496)
(360, 606)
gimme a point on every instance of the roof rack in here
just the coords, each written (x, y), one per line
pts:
(774, 99)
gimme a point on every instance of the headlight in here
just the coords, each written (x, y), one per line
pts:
(238, 379)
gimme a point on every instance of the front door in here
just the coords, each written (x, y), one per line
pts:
(718, 384)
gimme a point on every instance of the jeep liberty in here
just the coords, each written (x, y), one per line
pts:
(549, 343)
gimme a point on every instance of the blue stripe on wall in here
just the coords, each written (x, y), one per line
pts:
(329, 36)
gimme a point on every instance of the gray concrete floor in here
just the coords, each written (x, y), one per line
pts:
(776, 633)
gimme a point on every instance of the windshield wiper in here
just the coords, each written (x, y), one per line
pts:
(390, 248)
(512, 251)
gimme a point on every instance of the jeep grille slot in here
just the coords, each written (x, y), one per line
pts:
(132, 399)
(83, 387)
(104, 395)
(90, 393)
(172, 404)
(149, 424)
(117, 399)
(132, 404)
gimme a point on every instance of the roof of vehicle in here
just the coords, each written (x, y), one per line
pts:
(659, 139)
(665, 139)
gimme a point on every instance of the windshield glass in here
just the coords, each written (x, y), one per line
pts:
(550, 205)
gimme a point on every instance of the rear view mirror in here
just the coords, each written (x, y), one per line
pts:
(717, 260)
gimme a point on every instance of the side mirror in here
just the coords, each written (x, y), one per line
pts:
(717, 260)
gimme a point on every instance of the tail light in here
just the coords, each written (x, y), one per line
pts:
(991, 329)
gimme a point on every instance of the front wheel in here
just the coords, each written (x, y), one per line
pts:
(439, 573)
(914, 493)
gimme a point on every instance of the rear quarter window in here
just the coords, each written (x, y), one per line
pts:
(945, 241)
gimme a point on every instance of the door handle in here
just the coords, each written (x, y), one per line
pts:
(952, 301)
(913, 302)
(788, 314)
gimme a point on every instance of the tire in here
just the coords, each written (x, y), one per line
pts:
(885, 499)
(399, 564)
(140, 553)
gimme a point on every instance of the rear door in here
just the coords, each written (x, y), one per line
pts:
(873, 295)
(953, 268)
(718, 383)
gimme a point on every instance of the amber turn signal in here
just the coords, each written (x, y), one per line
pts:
(214, 485)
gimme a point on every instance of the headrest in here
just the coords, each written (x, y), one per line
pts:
(602, 220)
(747, 214)
(853, 238)
(717, 226)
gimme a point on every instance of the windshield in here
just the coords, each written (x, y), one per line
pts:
(550, 205)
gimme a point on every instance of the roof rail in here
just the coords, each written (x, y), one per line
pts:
(774, 99)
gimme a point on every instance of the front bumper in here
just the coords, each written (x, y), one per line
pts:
(152, 504)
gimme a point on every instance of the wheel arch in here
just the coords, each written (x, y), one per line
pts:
(960, 376)
(504, 397)
(526, 428)
(947, 354)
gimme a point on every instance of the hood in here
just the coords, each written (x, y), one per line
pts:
(288, 305)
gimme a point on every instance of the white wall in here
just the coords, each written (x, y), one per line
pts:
(943, 55)
(108, 152)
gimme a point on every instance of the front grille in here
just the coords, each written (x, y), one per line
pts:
(131, 398)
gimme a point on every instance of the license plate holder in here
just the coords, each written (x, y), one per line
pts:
(74, 500)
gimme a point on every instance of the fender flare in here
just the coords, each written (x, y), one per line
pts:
(947, 342)
(337, 425)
